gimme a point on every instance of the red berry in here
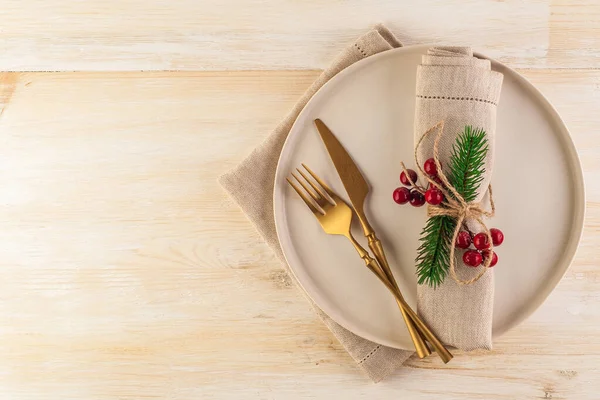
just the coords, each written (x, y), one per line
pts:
(404, 178)
(486, 254)
(497, 236)
(480, 241)
(463, 240)
(430, 168)
(472, 258)
(401, 195)
(416, 198)
(434, 196)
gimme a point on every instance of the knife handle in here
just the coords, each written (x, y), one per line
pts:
(377, 249)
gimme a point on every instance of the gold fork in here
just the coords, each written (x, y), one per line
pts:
(335, 216)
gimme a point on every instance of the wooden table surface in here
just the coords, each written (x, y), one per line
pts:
(127, 273)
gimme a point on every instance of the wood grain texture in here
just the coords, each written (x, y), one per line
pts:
(128, 274)
(133, 35)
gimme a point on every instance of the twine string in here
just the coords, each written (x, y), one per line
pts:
(455, 205)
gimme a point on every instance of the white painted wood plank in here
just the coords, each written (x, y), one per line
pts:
(127, 273)
(134, 35)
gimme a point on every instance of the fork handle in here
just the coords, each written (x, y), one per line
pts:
(442, 351)
(444, 354)
(418, 341)
(377, 249)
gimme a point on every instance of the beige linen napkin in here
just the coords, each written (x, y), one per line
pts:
(460, 89)
(250, 184)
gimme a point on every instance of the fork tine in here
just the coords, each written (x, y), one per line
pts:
(316, 187)
(303, 196)
(312, 194)
(320, 181)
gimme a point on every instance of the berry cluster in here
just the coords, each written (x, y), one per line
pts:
(433, 195)
(474, 257)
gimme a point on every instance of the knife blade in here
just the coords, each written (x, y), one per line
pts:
(354, 182)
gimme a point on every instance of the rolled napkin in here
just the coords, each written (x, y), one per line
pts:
(455, 87)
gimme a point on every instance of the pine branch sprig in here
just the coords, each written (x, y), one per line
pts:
(467, 162)
(465, 174)
(433, 255)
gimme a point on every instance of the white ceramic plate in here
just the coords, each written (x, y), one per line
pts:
(538, 188)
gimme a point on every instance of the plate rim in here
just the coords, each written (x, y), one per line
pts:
(579, 206)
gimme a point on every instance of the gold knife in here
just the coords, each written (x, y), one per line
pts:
(357, 188)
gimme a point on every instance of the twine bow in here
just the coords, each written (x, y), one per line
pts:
(455, 205)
